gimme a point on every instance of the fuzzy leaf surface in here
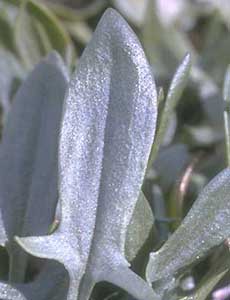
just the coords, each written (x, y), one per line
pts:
(51, 283)
(139, 227)
(205, 226)
(107, 132)
(28, 154)
(175, 91)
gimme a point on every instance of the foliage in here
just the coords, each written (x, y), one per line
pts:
(111, 187)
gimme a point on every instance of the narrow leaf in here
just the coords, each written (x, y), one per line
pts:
(174, 94)
(28, 156)
(205, 226)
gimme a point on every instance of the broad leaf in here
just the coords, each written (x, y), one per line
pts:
(107, 132)
(206, 225)
(28, 157)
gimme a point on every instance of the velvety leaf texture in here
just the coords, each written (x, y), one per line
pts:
(50, 284)
(205, 226)
(139, 227)
(107, 132)
(28, 155)
(175, 91)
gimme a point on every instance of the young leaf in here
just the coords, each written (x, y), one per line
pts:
(205, 226)
(28, 157)
(174, 94)
(107, 131)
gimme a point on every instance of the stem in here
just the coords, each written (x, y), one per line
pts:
(18, 264)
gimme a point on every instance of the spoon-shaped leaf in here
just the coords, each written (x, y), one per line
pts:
(28, 156)
(108, 128)
(206, 225)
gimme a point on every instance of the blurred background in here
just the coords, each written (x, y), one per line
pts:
(193, 147)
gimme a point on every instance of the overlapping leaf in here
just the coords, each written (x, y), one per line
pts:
(107, 132)
(51, 284)
(139, 227)
(28, 158)
(206, 226)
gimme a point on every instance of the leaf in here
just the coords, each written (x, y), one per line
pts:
(205, 226)
(51, 283)
(6, 32)
(174, 94)
(11, 73)
(164, 45)
(27, 39)
(80, 31)
(58, 37)
(218, 270)
(139, 227)
(28, 157)
(170, 163)
(107, 131)
(73, 12)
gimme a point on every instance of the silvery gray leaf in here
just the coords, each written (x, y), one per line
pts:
(28, 157)
(43, 288)
(107, 132)
(139, 227)
(175, 91)
(206, 225)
